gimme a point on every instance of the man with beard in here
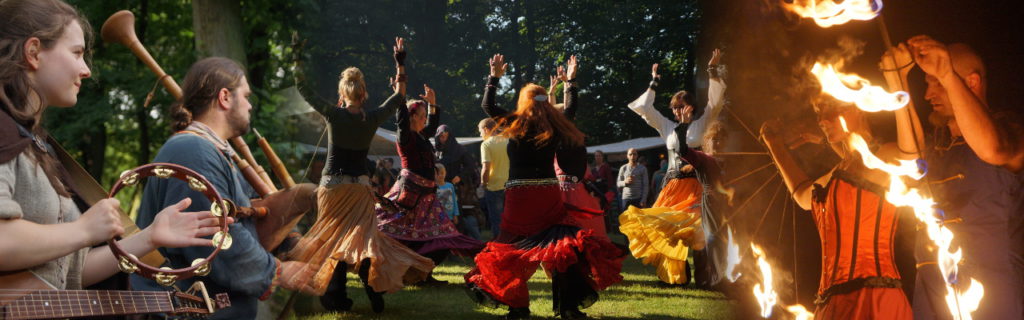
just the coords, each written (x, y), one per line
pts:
(975, 166)
(214, 108)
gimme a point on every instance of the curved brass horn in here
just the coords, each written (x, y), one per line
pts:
(120, 28)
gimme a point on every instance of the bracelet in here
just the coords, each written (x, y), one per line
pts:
(898, 68)
(653, 84)
(573, 80)
(401, 77)
(713, 70)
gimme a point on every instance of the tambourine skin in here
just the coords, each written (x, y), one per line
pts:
(129, 263)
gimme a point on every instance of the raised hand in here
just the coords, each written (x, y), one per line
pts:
(684, 114)
(654, 73)
(173, 228)
(897, 57)
(770, 129)
(572, 66)
(498, 65)
(554, 83)
(428, 96)
(399, 51)
(932, 56)
(716, 56)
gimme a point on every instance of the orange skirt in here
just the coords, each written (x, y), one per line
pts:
(346, 231)
(663, 234)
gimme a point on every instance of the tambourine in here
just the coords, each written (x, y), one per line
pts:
(220, 208)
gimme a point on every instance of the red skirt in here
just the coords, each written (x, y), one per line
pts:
(530, 209)
(548, 235)
(583, 207)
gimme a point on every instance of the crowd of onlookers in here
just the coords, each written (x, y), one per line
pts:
(472, 189)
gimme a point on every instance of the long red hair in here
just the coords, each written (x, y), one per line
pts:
(540, 117)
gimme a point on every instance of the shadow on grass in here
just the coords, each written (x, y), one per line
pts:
(639, 297)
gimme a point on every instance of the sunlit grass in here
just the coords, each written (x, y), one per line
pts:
(638, 297)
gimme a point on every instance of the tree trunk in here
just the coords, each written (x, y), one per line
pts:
(218, 27)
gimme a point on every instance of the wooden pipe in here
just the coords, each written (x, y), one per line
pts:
(243, 148)
(120, 28)
(251, 175)
(276, 164)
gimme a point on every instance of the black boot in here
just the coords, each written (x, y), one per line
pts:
(335, 298)
(437, 257)
(572, 314)
(376, 298)
(518, 313)
(571, 292)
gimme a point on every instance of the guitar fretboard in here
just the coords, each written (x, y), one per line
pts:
(48, 304)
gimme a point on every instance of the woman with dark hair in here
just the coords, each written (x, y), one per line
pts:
(571, 160)
(414, 215)
(346, 233)
(44, 45)
(664, 234)
(536, 227)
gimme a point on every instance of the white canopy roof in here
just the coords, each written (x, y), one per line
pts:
(383, 143)
(623, 146)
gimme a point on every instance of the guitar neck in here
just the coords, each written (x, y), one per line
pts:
(48, 304)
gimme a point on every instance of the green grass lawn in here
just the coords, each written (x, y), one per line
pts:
(638, 296)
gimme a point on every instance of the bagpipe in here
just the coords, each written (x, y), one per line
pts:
(276, 211)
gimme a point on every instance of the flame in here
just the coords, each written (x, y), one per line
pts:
(799, 312)
(767, 298)
(961, 302)
(728, 192)
(868, 97)
(733, 258)
(827, 13)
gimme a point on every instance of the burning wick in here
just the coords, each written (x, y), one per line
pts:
(867, 97)
(827, 13)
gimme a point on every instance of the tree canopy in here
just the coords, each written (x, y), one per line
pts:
(307, 43)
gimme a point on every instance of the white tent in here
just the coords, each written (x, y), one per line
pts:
(383, 144)
(622, 146)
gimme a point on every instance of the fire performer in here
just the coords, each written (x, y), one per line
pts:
(536, 227)
(414, 215)
(346, 232)
(857, 226)
(677, 222)
(976, 160)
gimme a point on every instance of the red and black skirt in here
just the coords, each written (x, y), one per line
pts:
(537, 229)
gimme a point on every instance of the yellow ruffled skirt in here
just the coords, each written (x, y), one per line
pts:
(663, 234)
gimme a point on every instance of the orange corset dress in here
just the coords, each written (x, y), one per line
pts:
(857, 228)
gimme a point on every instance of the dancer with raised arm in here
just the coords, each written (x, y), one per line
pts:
(664, 234)
(415, 216)
(536, 227)
(346, 233)
(571, 160)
